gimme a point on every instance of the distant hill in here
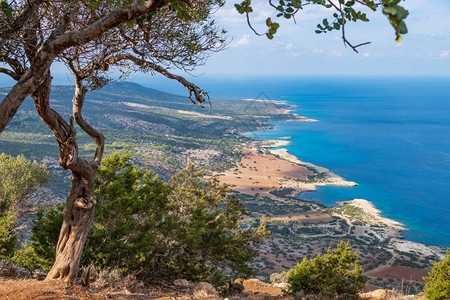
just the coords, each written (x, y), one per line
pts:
(160, 129)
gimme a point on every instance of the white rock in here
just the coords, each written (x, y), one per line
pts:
(182, 283)
(203, 290)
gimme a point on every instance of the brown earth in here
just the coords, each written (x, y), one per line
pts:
(399, 272)
(259, 173)
(310, 217)
(24, 289)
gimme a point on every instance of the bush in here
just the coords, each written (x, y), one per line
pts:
(437, 284)
(328, 275)
(188, 228)
(18, 177)
(8, 236)
(40, 253)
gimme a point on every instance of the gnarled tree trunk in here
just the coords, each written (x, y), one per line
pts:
(78, 218)
(79, 210)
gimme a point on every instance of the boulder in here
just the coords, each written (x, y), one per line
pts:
(277, 278)
(204, 290)
(183, 283)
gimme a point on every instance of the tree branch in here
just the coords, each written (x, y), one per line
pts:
(34, 76)
(21, 20)
(10, 73)
(199, 94)
(344, 37)
(78, 101)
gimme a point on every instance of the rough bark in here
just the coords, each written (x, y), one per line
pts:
(78, 218)
(79, 210)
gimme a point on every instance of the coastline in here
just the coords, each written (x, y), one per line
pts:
(269, 173)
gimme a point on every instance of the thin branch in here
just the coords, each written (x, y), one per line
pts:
(10, 73)
(344, 37)
(27, 13)
(78, 102)
(34, 76)
(199, 94)
(250, 24)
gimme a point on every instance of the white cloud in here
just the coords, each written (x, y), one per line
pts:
(366, 54)
(445, 53)
(229, 15)
(288, 46)
(242, 42)
(297, 53)
(335, 53)
(317, 51)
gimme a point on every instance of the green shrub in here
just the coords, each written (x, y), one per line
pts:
(437, 284)
(8, 237)
(188, 228)
(331, 274)
(18, 177)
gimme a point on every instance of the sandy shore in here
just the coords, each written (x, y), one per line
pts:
(298, 118)
(327, 177)
(274, 143)
(261, 173)
(371, 215)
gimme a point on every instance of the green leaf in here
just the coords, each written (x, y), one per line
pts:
(402, 29)
(350, 3)
(401, 13)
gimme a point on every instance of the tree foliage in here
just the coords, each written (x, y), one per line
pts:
(331, 274)
(437, 283)
(18, 177)
(342, 11)
(91, 38)
(188, 228)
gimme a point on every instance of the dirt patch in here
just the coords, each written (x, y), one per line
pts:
(310, 217)
(399, 272)
(260, 173)
(257, 286)
(24, 289)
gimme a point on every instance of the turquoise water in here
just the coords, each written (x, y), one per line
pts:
(390, 135)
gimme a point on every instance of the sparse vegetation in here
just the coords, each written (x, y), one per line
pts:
(331, 274)
(437, 285)
(18, 177)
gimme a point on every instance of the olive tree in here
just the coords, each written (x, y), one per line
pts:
(147, 36)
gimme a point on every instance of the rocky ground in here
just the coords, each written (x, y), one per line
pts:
(24, 289)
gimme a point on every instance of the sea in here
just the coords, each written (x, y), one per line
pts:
(391, 135)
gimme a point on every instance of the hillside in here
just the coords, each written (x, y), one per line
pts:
(164, 131)
(160, 129)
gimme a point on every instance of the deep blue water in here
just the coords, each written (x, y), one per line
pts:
(390, 135)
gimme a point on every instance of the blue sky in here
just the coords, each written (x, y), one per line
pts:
(297, 51)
